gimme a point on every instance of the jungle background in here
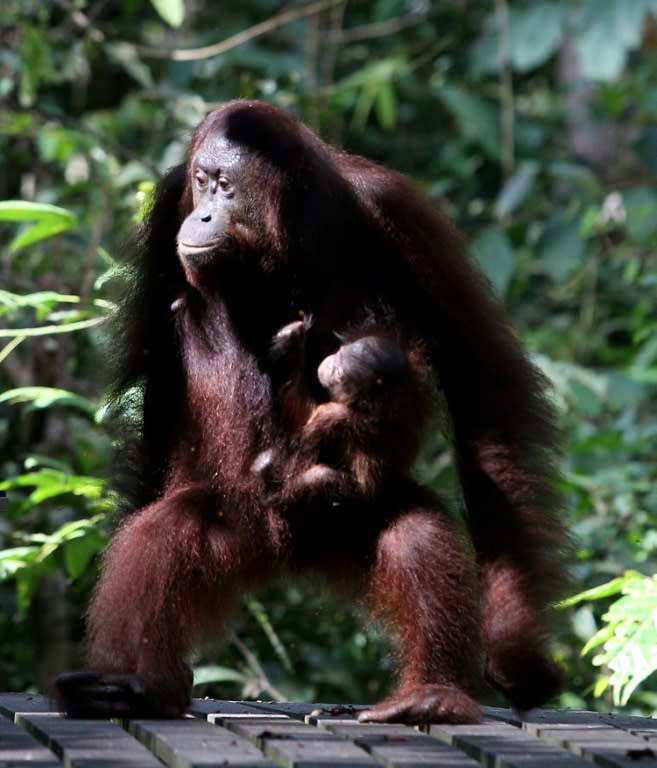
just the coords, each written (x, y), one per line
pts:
(531, 123)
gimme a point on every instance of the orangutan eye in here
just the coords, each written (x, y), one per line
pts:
(226, 186)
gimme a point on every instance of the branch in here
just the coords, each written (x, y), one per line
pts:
(379, 29)
(263, 681)
(207, 51)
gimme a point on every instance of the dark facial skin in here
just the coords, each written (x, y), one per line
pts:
(220, 221)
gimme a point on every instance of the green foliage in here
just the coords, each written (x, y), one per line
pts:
(74, 544)
(530, 122)
(49, 220)
(627, 642)
(603, 32)
(299, 643)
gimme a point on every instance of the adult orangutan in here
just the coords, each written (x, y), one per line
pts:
(291, 303)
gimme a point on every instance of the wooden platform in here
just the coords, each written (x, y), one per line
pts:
(265, 735)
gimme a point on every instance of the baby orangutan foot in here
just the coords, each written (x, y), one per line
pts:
(429, 703)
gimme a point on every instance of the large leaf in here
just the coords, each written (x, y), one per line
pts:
(476, 118)
(536, 33)
(495, 255)
(628, 640)
(52, 483)
(605, 31)
(562, 250)
(48, 220)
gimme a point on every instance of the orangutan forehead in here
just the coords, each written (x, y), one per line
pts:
(216, 151)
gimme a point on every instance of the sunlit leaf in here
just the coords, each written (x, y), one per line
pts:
(49, 220)
(172, 11)
(47, 397)
(12, 560)
(608, 589)
(628, 639)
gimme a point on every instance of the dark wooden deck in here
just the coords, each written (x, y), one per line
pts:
(265, 735)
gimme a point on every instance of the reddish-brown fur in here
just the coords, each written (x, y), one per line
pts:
(367, 436)
(311, 230)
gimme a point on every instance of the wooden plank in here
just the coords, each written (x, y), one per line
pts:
(632, 723)
(296, 710)
(87, 743)
(603, 744)
(500, 745)
(400, 746)
(18, 748)
(298, 745)
(322, 714)
(192, 743)
(309, 712)
(13, 703)
(310, 735)
(206, 707)
(614, 741)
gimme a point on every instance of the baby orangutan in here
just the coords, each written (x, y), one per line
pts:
(370, 430)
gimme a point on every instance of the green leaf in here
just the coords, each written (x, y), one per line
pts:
(612, 587)
(575, 176)
(629, 635)
(43, 301)
(27, 582)
(632, 651)
(386, 106)
(641, 206)
(494, 253)
(562, 251)
(476, 118)
(601, 685)
(49, 220)
(374, 88)
(51, 483)
(47, 397)
(12, 560)
(598, 639)
(36, 62)
(213, 673)
(536, 33)
(516, 189)
(604, 33)
(172, 11)
(79, 552)
(23, 210)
